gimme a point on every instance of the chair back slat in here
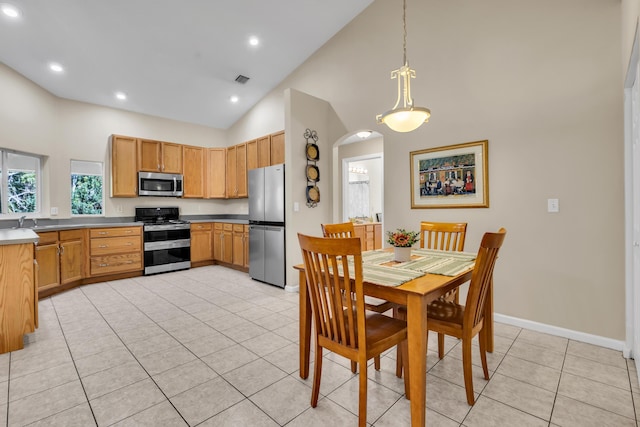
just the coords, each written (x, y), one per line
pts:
(482, 276)
(444, 236)
(338, 231)
(337, 302)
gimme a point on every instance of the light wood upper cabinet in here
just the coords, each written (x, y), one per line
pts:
(252, 154)
(158, 156)
(124, 167)
(194, 163)
(216, 184)
(277, 148)
(237, 171)
(264, 151)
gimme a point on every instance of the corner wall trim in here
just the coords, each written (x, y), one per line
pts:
(562, 332)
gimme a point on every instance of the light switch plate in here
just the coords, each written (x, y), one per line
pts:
(553, 205)
(296, 206)
(54, 211)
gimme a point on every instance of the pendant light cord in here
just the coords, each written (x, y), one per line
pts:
(404, 28)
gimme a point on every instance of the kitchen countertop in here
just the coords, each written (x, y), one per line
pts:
(17, 236)
(228, 221)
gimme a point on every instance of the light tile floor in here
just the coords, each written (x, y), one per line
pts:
(211, 347)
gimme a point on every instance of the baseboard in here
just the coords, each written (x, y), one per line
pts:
(294, 288)
(562, 332)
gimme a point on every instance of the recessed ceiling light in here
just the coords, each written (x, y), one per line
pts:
(55, 67)
(254, 41)
(121, 96)
(234, 99)
(364, 134)
(10, 10)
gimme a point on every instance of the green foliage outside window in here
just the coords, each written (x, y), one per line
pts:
(86, 194)
(22, 191)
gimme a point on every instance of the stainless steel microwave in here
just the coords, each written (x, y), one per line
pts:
(160, 184)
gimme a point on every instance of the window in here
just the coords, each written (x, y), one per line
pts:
(87, 197)
(20, 175)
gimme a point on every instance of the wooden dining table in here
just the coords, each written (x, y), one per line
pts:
(415, 294)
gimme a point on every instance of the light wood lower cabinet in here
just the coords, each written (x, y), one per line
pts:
(60, 258)
(19, 308)
(115, 250)
(231, 244)
(370, 235)
(201, 242)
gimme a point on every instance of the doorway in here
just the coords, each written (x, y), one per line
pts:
(362, 179)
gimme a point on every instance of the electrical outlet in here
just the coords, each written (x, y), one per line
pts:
(553, 205)
(296, 206)
(54, 211)
(119, 209)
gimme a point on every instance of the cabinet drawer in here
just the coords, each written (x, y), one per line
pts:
(116, 263)
(113, 245)
(217, 225)
(47, 238)
(71, 235)
(227, 227)
(238, 228)
(116, 232)
(201, 227)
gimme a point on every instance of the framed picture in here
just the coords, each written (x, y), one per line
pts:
(455, 176)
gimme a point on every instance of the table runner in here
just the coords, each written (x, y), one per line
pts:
(431, 261)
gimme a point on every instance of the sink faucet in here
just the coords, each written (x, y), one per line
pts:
(35, 222)
(21, 221)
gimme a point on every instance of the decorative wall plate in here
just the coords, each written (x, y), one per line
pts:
(312, 152)
(313, 194)
(313, 173)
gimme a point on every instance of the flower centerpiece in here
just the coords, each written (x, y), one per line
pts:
(402, 240)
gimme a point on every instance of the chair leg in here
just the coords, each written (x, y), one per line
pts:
(440, 345)
(317, 372)
(354, 366)
(401, 315)
(466, 367)
(404, 361)
(482, 340)
(362, 399)
(376, 362)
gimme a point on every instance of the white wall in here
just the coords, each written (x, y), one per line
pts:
(545, 89)
(34, 121)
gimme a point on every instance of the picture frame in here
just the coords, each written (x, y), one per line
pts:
(453, 176)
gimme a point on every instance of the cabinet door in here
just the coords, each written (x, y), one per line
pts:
(264, 151)
(378, 236)
(149, 155)
(277, 148)
(252, 154)
(241, 170)
(359, 231)
(171, 157)
(201, 242)
(216, 173)
(217, 242)
(238, 245)
(193, 158)
(124, 167)
(71, 261)
(227, 246)
(48, 265)
(232, 186)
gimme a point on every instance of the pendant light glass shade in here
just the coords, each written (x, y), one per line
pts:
(407, 117)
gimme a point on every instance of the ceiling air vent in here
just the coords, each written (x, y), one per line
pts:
(242, 79)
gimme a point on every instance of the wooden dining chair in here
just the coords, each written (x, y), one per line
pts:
(443, 236)
(341, 322)
(377, 305)
(467, 321)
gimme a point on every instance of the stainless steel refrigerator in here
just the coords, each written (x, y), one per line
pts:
(266, 225)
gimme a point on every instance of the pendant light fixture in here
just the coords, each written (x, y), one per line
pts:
(405, 117)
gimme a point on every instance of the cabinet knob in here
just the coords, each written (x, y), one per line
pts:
(103, 246)
(129, 231)
(104, 265)
(129, 243)
(103, 232)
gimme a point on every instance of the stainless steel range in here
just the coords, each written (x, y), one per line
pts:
(167, 239)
